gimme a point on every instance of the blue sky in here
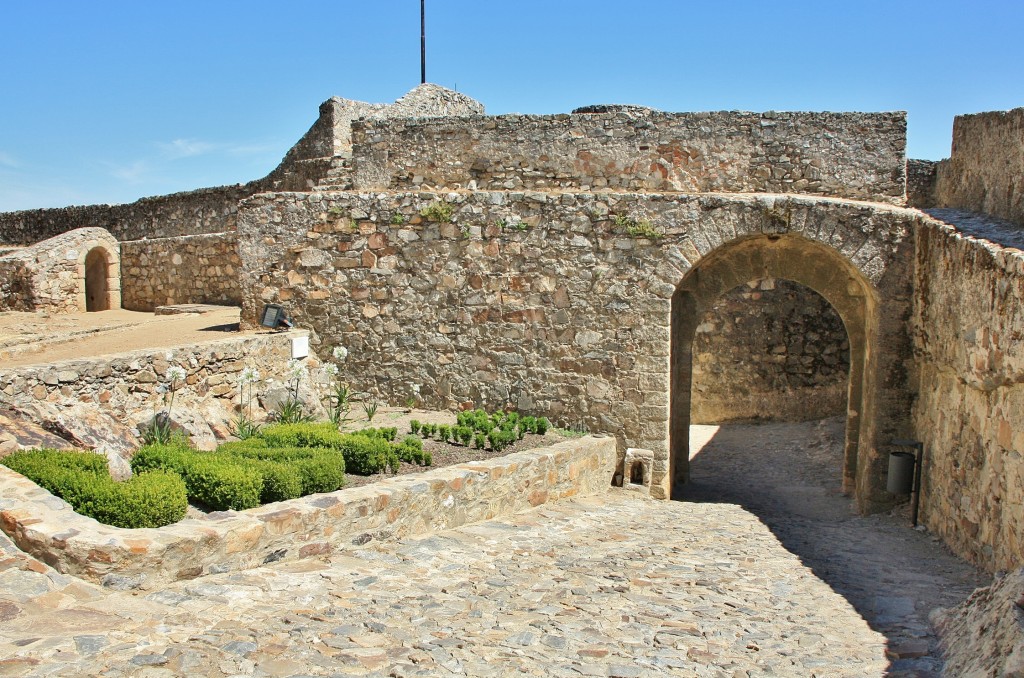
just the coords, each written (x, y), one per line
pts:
(109, 101)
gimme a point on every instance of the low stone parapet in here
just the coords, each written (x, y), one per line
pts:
(46, 526)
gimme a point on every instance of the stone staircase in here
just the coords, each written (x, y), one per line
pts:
(338, 177)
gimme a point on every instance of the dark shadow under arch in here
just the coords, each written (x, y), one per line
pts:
(790, 257)
(97, 274)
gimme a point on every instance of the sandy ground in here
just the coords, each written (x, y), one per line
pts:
(35, 338)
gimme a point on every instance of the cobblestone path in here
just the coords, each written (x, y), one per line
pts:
(614, 585)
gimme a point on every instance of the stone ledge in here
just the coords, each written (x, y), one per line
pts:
(47, 528)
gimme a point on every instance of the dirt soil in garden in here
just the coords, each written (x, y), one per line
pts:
(38, 338)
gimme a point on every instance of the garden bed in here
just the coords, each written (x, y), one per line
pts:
(387, 507)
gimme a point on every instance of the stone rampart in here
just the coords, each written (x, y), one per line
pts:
(770, 350)
(560, 304)
(192, 269)
(985, 170)
(849, 155)
(309, 527)
(968, 328)
(207, 210)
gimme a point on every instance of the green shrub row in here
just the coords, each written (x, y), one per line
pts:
(365, 452)
(476, 427)
(82, 479)
(246, 474)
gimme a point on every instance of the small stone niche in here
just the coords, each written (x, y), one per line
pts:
(636, 470)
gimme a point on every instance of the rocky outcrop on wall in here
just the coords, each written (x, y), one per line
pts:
(849, 155)
(770, 350)
(207, 210)
(558, 304)
(50, 276)
(194, 269)
(985, 170)
(968, 323)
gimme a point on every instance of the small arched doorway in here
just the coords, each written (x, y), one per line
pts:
(97, 274)
(790, 257)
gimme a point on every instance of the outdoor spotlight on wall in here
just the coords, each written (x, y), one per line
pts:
(274, 317)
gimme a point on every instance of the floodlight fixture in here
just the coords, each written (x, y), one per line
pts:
(274, 317)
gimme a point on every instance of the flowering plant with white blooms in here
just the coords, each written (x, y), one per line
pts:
(245, 426)
(291, 411)
(339, 402)
(159, 429)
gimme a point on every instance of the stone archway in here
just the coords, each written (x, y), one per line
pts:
(97, 274)
(790, 257)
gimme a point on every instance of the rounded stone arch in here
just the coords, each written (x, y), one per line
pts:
(98, 275)
(803, 260)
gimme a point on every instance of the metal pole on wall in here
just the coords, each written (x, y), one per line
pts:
(423, 42)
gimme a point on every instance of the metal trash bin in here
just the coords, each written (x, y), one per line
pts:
(901, 473)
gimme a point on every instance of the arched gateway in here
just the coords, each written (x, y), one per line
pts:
(864, 275)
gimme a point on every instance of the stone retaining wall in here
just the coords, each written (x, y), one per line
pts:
(921, 178)
(849, 155)
(968, 327)
(100, 402)
(985, 170)
(197, 269)
(47, 528)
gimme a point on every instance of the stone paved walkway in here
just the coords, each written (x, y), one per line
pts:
(614, 585)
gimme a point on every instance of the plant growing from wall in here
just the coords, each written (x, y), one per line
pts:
(439, 212)
(397, 219)
(636, 228)
(159, 429)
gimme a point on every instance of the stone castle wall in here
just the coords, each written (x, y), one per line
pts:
(770, 350)
(207, 210)
(849, 155)
(556, 304)
(968, 328)
(193, 269)
(985, 170)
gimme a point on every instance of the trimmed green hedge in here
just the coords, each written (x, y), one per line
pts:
(151, 499)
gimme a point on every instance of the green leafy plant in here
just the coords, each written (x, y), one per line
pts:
(414, 426)
(636, 228)
(439, 212)
(397, 219)
(464, 434)
(480, 441)
(444, 432)
(370, 409)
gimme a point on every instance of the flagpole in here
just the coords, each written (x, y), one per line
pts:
(423, 42)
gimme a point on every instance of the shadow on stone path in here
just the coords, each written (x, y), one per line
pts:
(789, 475)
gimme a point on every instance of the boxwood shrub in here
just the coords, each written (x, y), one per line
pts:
(152, 499)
